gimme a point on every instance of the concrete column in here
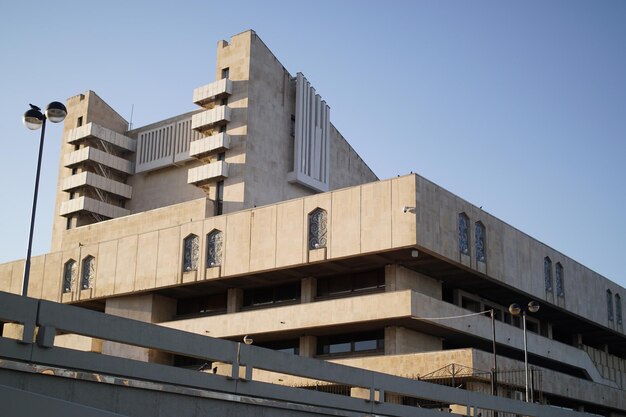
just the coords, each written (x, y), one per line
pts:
(149, 308)
(308, 290)
(234, 300)
(308, 346)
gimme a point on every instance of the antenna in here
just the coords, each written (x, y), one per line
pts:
(130, 124)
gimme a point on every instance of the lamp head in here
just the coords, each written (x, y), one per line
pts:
(247, 340)
(515, 309)
(56, 112)
(533, 306)
(33, 118)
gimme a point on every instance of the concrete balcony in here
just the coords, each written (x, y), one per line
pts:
(93, 206)
(207, 173)
(92, 155)
(216, 90)
(94, 131)
(209, 145)
(210, 118)
(89, 179)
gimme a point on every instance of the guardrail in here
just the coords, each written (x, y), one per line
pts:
(49, 318)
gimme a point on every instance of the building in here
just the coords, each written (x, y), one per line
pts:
(254, 216)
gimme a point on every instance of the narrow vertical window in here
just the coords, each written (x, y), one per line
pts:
(219, 198)
(463, 234)
(558, 272)
(88, 272)
(317, 228)
(618, 309)
(79, 121)
(225, 72)
(214, 245)
(480, 242)
(609, 305)
(69, 275)
(547, 273)
(191, 249)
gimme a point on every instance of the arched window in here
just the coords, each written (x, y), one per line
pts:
(69, 275)
(618, 309)
(609, 305)
(214, 242)
(558, 272)
(463, 234)
(317, 228)
(88, 272)
(547, 273)
(191, 252)
(480, 241)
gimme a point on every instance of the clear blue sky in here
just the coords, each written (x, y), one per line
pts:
(516, 106)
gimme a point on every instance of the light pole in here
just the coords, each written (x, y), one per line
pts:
(35, 119)
(515, 309)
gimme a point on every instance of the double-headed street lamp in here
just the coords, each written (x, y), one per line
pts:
(515, 309)
(35, 119)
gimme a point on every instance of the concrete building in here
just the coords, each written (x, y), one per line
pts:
(254, 216)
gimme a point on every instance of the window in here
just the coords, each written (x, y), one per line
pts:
(264, 296)
(214, 243)
(288, 346)
(224, 101)
(547, 273)
(364, 342)
(202, 305)
(618, 309)
(79, 121)
(342, 285)
(317, 228)
(463, 234)
(191, 250)
(88, 273)
(292, 126)
(69, 275)
(219, 198)
(225, 72)
(558, 270)
(609, 305)
(480, 242)
(221, 156)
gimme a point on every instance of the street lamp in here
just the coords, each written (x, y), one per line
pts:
(33, 120)
(515, 309)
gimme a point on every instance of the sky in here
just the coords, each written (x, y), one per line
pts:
(515, 106)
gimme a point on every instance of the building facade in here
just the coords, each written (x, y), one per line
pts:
(254, 216)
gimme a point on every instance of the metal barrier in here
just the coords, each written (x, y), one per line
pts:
(49, 318)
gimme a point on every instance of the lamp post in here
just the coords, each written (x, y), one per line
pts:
(515, 309)
(33, 120)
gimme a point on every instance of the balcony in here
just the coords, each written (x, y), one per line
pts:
(93, 206)
(209, 145)
(207, 173)
(216, 90)
(89, 179)
(94, 131)
(210, 118)
(93, 155)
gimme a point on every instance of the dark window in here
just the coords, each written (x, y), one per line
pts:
(68, 223)
(469, 304)
(225, 72)
(219, 198)
(221, 156)
(339, 285)
(618, 309)
(203, 305)
(222, 128)
(292, 129)
(69, 275)
(74, 171)
(224, 101)
(89, 272)
(480, 242)
(214, 244)
(271, 295)
(79, 121)
(288, 346)
(560, 289)
(317, 228)
(365, 342)
(547, 273)
(609, 304)
(191, 251)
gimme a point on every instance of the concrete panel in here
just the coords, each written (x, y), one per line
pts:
(147, 250)
(105, 274)
(53, 277)
(237, 243)
(345, 222)
(403, 225)
(17, 277)
(263, 239)
(6, 272)
(125, 271)
(290, 237)
(375, 216)
(169, 256)
(37, 271)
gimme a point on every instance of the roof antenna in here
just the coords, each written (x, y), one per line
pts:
(130, 124)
